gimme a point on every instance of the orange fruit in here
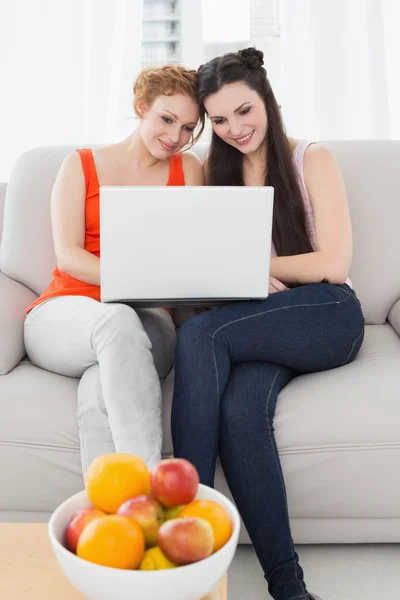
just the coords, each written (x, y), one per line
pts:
(113, 478)
(215, 514)
(112, 541)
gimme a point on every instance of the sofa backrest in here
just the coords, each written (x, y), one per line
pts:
(370, 171)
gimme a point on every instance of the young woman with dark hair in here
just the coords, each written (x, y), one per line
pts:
(232, 362)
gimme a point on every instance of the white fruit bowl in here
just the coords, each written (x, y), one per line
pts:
(95, 582)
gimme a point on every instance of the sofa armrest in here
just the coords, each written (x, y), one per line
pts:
(14, 300)
(394, 317)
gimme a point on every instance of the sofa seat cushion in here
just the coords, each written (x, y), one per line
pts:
(338, 434)
(38, 408)
(40, 462)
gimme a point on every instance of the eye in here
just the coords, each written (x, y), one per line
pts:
(245, 111)
(167, 120)
(187, 128)
(219, 121)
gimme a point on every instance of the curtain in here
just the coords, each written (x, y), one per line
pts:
(67, 68)
(340, 77)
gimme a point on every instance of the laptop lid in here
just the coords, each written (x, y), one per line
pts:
(165, 246)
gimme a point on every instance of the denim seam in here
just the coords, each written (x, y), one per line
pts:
(352, 346)
(282, 308)
(218, 399)
(277, 466)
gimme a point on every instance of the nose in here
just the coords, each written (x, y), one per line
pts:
(174, 135)
(235, 129)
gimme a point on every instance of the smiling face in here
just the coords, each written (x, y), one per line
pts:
(238, 116)
(168, 124)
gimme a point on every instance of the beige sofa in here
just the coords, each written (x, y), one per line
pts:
(338, 432)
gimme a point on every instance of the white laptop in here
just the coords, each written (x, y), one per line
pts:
(168, 246)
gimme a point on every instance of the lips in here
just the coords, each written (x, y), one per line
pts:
(167, 147)
(245, 138)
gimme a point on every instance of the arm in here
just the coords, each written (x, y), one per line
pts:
(68, 223)
(332, 260)
(192, 169)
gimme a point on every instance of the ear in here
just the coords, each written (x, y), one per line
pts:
(141, 107)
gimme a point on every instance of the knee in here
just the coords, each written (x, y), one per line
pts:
(193, 340)
(124, 319)
(197, 328)
(249, 399)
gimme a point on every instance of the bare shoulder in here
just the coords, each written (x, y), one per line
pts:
(323, 176)
(318, 153)
(192, 168)
(71, 167)
(69, 186)
(315, 153)
(319, 160)
(191, 160)
(72, 159)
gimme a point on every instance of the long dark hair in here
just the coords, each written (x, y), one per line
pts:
(225, 164)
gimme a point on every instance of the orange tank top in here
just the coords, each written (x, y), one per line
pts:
(65, 285)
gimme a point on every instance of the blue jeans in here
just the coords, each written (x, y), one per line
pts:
(231, 364)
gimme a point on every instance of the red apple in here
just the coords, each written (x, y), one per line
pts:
(77, 524)
(186, 541)
(148, 514)
(174, 481)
